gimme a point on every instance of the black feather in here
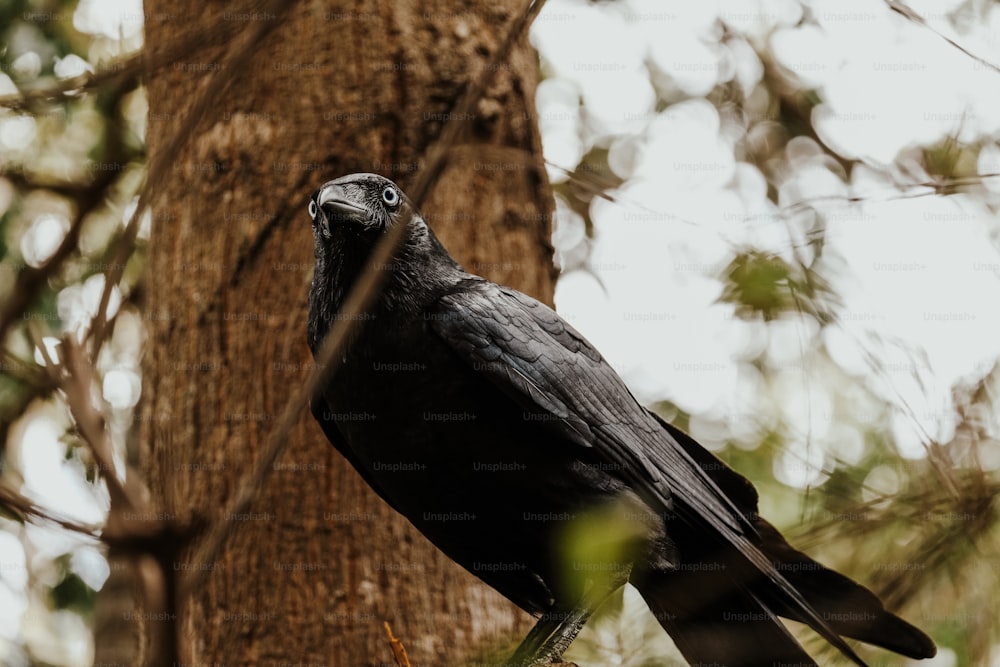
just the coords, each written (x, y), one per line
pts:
(490, 410)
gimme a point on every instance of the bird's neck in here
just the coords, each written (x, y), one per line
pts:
(421, 271)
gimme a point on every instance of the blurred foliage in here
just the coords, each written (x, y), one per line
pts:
(923, 533)
(70, 163)
(758, 284)
(608, 534)
(71, 592)
(591, 178)
(765, 286)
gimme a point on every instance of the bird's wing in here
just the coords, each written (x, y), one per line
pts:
(322, 413)
(550, 369)
(547, 367)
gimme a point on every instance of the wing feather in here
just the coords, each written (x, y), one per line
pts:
(547, 367)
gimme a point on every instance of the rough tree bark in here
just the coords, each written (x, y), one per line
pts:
(337, 87)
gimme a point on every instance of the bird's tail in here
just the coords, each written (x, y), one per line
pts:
(848, 607)
(740, 589)
(717, 617)
(713, 627)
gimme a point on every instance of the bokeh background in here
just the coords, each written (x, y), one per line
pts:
(777, 220)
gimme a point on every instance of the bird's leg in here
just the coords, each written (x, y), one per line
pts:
(550, 637)
(554, 632)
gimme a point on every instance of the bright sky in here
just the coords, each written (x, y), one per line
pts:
(919, 276)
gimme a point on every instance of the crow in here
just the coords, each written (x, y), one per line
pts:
(495, 428)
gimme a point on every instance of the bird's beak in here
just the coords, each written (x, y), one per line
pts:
(335, 203)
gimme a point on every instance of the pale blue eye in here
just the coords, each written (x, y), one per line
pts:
(312, 209)
(390, 196)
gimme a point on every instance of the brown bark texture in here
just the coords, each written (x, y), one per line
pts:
(320, 562)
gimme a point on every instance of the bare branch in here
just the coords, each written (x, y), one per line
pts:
(151, 59)
(77, 383)
(908, 13)
(30, 280)
(940, 188)
(26, 509)
(160, 608)
(35, 101)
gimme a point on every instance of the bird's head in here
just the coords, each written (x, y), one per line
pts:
(349, 217)
(358, 206)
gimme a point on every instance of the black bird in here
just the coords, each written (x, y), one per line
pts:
(492, 425)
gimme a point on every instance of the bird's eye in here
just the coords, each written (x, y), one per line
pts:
(312, 209)
(390, 196)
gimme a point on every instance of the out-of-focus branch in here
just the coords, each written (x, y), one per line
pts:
(77, 383)
(21, 369)
(156, 580)
(75, 88)
(87, 198)
(909, 14)
(937, 188)
(30, 280)
(131, 67)
(27, 510)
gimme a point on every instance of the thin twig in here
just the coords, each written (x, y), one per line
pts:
(88, 198)
(77, 383)
(147, 61)
(30, 280)
(73, 88)
(908, 13)
(27, 509)
(160, 605)
(398, 650)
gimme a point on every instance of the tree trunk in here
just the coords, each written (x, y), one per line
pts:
(335, 88)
